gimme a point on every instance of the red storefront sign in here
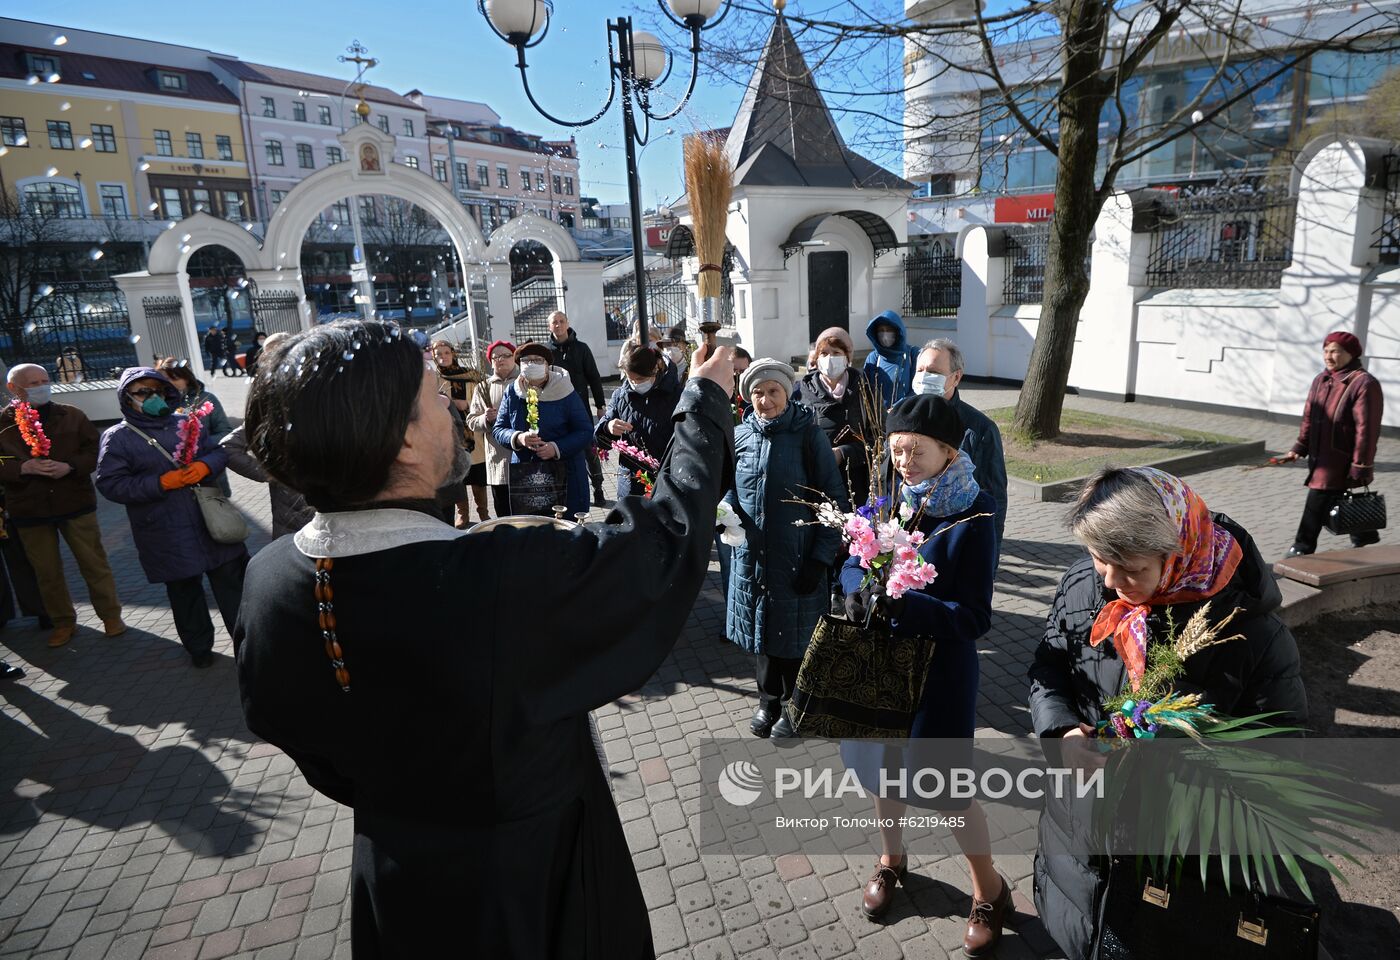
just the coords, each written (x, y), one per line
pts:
(658, 237)
(1032, 208)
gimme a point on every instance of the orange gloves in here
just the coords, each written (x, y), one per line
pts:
(184, 477)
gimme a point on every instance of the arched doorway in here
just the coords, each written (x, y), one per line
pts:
(535, 291)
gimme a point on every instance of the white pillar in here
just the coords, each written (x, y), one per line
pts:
(1105, 338)
(170, 338)
(582, 281)
(982, 276)
(498, 300)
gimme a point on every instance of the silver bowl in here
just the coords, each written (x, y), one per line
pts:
(524, 521)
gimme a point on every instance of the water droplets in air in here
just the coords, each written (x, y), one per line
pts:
(134, 338)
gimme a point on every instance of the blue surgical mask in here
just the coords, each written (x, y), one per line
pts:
(40, 395)
(155, 406)
(930, 384)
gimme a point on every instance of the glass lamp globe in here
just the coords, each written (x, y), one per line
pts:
(701, 9)
(648, 56)
(517, 18)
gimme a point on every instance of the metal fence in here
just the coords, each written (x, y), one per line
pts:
(81, 330)
(667, 302)
(165, 327)
(531, 303)
(1388, 236)
(276, 312)
(932, 284)
(1240, 238)
(1025, 264)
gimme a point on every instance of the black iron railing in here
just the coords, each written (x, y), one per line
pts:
(1388, 236)
(1025, 264)
(276, 312)
(532, 302)
(667, 303)
(932, 284)
(80, 331)
(1231, 238)
(165, 327)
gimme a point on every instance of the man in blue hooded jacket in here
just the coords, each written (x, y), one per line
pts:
(892, 354)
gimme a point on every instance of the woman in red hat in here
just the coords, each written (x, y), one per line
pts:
(1341, 424)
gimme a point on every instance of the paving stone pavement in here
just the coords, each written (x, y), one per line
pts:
(140, 818)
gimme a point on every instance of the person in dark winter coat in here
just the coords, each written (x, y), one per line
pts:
(640, 410)
(289, 509)
(892, 354)
(193, 396)
(574, 356)
(778, 582)
(1340, 429)
(497, 836)
(844, 401)
(564, 431)
(937, 491)
(939, 372)
(1155, 551)
(167, 527)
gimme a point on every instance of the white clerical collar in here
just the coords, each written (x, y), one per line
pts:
(357, 532)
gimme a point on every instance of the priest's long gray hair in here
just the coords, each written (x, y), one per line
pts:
(329, 408)
(1120, 515)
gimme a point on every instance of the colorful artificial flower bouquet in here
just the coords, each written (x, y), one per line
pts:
(31, 428)
(881, 540)
(190, 429)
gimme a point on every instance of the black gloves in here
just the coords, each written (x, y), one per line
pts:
(871, 602)
(809, 577)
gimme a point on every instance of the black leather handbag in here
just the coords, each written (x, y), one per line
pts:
(1357, 512)
(1168, 918)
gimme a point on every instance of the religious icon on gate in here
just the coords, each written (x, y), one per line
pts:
(369, 158)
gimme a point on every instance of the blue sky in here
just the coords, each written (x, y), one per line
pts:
(443, 48)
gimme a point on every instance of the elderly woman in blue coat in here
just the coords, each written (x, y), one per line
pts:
(167, 527)
(778, 582)
(934, 483)
(564, 431)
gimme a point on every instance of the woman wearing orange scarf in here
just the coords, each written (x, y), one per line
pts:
(1155, 552)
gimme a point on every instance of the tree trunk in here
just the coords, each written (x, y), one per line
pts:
(1077, 204)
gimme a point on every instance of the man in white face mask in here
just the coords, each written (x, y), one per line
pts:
(938, 372)
(48, 492)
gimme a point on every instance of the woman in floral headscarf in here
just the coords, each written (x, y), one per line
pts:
(1156, 555)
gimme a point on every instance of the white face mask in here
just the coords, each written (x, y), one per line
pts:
(831, 366)
(886, 338)
(930, 384)
(40, 395)
(642, 387)
(534, 371)
(675, 354)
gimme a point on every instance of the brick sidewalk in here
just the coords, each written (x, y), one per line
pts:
(139, 818)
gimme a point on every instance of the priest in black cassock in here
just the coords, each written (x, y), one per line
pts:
(440, 683)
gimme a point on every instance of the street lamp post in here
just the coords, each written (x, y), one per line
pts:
(637, 62)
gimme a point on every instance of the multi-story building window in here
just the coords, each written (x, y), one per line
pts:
(299, 110)
(164, 148)
(568, 186)
(104, 138)
(557, 187)
(340, 211)
(369, 213)
(356, 119)
(384, 123)
(233, 204)
(508, 211)
(464, 180)
(113, 199)
(276, 196)
(41, 64)
(60, 135)
(411, 162)
(171, 204)
(408, 126)
(53, 199)
(172, 81)
(524, 179)
(483, 176)
(539, 182)
(273, 149)
(194, 146)
(269, 107)
(334, 155)
(224, 145)
(305, 158)
(200, 198)
(502, 176)
(323, 114)
(12, 132)
(439, 169)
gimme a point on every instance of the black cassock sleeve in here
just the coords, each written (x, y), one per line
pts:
(586, 616)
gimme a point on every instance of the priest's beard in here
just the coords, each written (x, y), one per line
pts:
(461, 464)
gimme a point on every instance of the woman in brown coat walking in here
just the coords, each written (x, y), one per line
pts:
(1341, 424)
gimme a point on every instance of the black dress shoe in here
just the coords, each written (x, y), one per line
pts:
(599, 499)
(10, 671)
(203, 660)
(1296, 551)
(782, 730)
(762, 722)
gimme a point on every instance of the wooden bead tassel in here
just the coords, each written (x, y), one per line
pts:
(325, 616)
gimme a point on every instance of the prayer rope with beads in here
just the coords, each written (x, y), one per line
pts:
(325, 609)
